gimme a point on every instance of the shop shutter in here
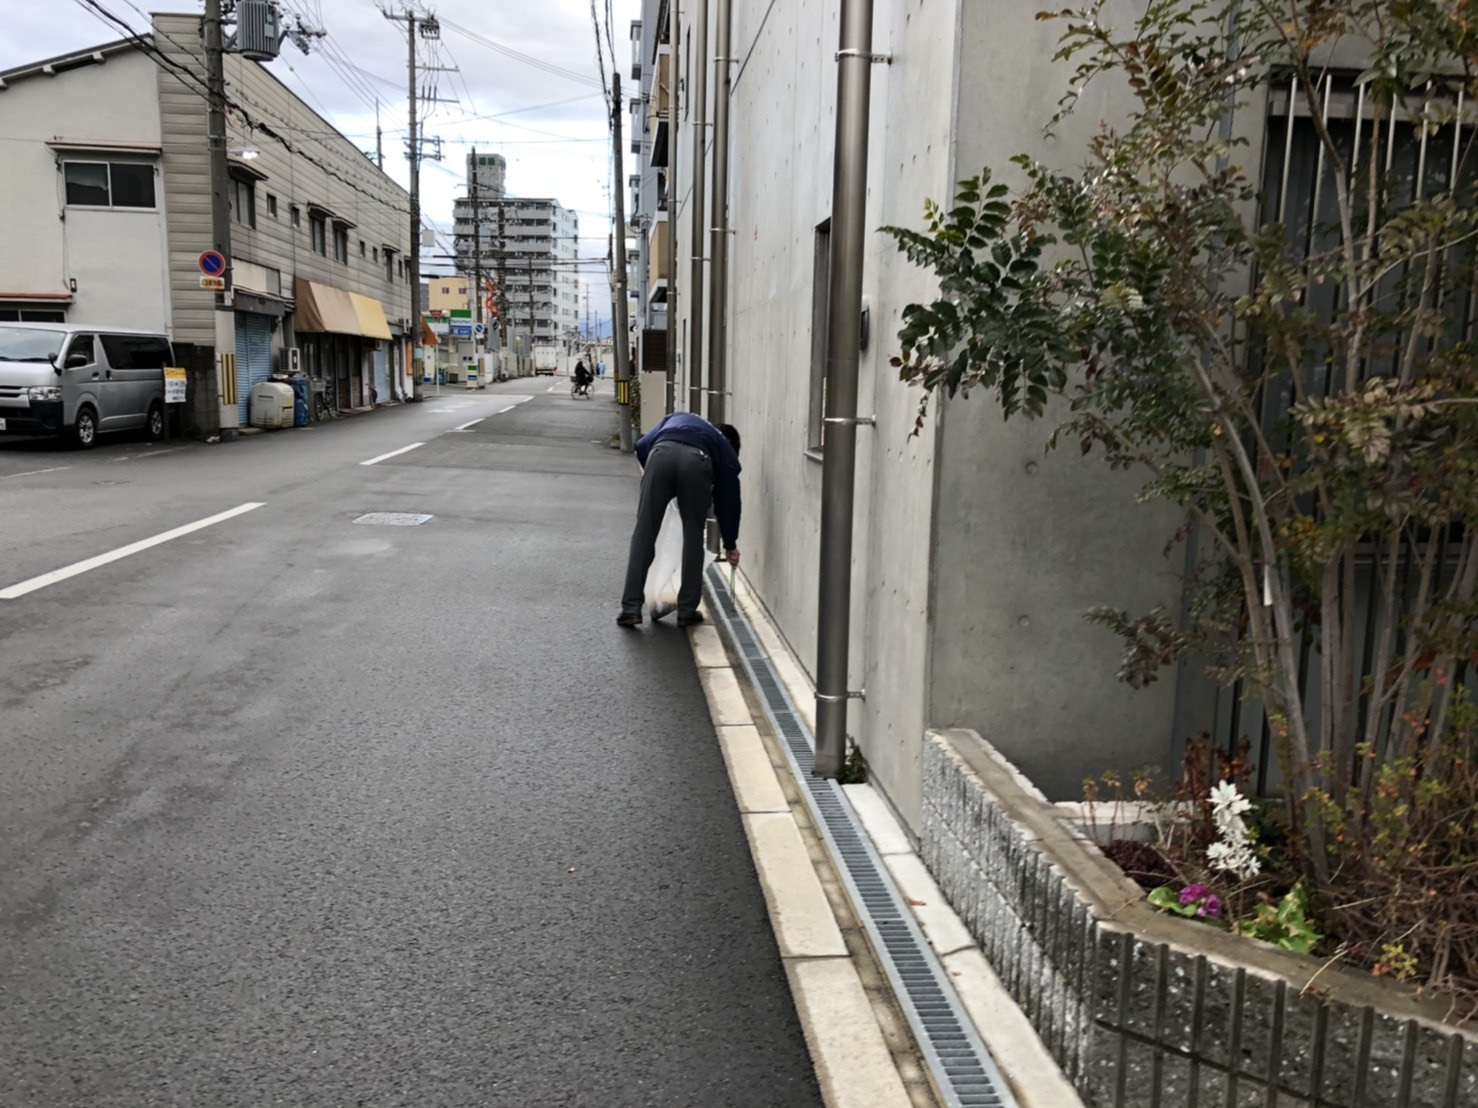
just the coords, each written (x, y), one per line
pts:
(382, 376)
(253, 359)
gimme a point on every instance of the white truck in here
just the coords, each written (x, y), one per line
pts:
(546, 360)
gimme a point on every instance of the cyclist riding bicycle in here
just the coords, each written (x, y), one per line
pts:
(583, 379)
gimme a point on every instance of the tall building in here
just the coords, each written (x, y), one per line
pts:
(529, 245)
(651, 54)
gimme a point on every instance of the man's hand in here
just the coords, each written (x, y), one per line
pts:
(732, 556)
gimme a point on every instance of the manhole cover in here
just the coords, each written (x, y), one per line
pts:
(394, 519)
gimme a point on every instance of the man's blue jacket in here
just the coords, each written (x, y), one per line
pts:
(696, 431)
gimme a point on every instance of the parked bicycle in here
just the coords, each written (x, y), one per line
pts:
(323, 407)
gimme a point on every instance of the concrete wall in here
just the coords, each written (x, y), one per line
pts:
(117, 257)
(975, 553)
(1028, 541)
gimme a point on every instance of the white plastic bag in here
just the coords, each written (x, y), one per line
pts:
(666, 575)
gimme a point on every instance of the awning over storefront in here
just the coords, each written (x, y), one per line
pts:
(428, 336)
(371, 317)
(325, 308)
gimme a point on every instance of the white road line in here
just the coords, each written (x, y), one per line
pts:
(75, 568)
(392, 453)
(149, 454)
(471, 423)
(33, 472)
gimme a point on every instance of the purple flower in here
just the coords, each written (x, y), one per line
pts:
(1210, 908)
(1192, 893)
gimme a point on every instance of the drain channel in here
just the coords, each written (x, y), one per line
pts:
(964, 1072)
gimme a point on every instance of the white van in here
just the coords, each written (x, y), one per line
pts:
(59, 378)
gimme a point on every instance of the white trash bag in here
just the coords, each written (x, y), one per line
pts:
(666, 575)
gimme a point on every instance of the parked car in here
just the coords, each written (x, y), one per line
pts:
(60, 378)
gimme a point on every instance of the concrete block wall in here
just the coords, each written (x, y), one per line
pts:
(1142, 1010)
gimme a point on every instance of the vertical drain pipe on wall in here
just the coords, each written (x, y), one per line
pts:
(843, 346)
(698, 98)
(674, 42)
(718, 251)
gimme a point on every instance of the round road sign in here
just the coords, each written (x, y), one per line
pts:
(212, 263)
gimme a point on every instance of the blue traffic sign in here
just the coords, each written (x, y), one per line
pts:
(212, 263)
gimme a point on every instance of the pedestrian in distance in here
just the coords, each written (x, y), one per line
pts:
(696, 463)
(600, 369)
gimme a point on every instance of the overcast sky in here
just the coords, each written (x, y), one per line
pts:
(543, 112)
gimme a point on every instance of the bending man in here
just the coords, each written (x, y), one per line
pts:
(689, 459)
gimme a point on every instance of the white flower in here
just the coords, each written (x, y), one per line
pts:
(1232, 851)
(1227, 801)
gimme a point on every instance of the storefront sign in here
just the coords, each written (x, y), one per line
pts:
(174, 385)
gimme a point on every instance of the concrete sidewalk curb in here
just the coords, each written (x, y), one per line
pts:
(1023, 1060)
(855, 1066)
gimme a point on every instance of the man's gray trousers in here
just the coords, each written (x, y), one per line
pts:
(674, 470)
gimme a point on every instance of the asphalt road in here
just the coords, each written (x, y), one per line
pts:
(301, 811)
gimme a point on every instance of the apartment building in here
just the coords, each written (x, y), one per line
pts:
(649, 256)
(529, 245)
(109, 211)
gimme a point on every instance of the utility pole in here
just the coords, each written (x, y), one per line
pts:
(206, 385)
(670, 200)
(718, 326)
(698, 217)
(531, 311)
(843, 344)
(476, 263)
(621, 327)
(379, 138)
(502, 283)
(408, 17)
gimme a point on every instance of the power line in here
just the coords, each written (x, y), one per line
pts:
(517, 55)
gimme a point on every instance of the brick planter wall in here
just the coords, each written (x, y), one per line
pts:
(1144, 1010)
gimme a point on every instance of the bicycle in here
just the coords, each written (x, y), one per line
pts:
(585, 389)
(322, 408)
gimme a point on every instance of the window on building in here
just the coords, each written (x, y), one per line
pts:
(446, 290)
(109, 184)
(272, 205)
(243, 202)
(361, 248)
(375, 254)
(820, 298)
(341, 245)
(319, 232)
(297, 216)
(389, 264)
(22, 313)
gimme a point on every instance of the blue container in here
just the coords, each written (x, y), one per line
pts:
(300, 401)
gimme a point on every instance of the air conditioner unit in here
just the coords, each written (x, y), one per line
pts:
(293, 357)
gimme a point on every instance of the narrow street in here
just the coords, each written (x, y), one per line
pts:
(303, 811)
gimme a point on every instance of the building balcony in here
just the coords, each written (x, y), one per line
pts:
(660, 100)
(657, 260)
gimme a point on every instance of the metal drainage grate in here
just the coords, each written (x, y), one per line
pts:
(393, 519)
(963, 1069)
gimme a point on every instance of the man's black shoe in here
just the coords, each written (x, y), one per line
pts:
(629, 619)
(688, 619)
